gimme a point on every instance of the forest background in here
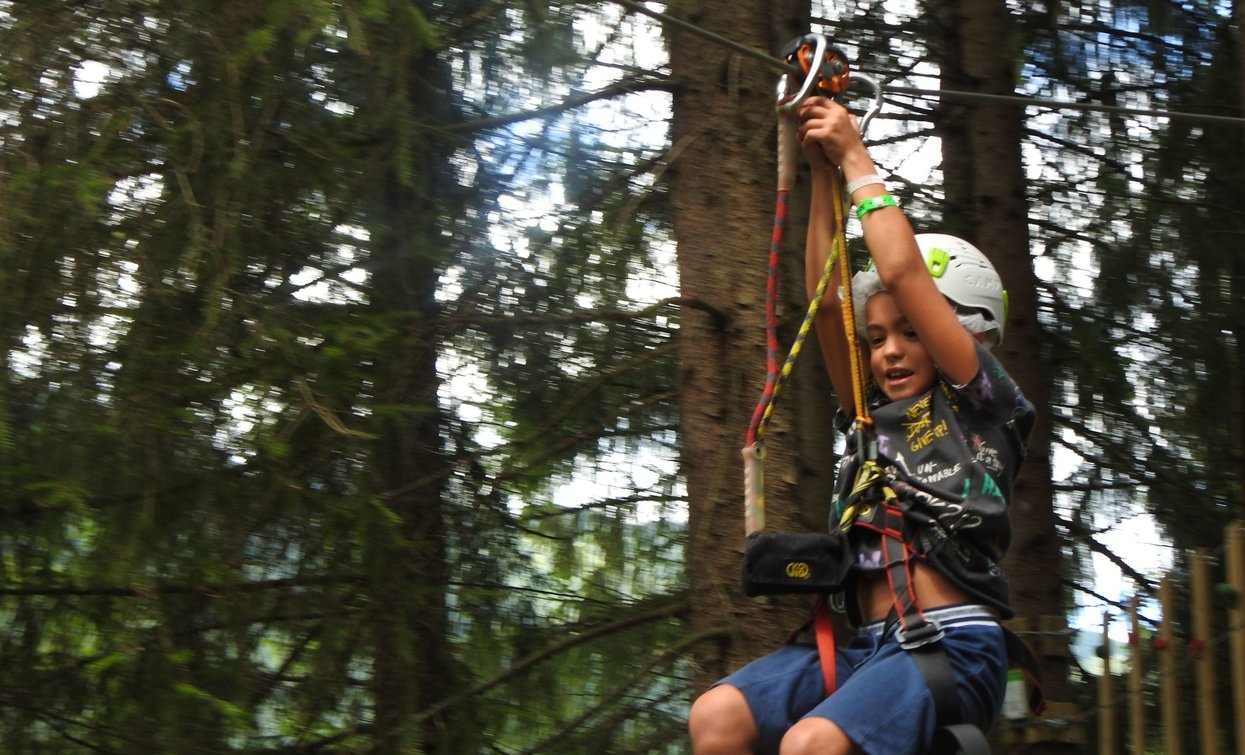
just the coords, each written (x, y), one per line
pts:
(375, 371)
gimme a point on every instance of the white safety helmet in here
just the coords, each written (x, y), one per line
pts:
(962, 273)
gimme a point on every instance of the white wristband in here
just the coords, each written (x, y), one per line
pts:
(862, 182)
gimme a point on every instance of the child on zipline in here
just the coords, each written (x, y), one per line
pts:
(950, 423)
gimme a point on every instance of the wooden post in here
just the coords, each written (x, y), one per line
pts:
(1106, 703)
(1203, 653)
(1136, 703)
(1169, 685)
(1235, 547)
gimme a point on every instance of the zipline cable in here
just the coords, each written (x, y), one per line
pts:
(950, 94)
(742, 49)
(1060, 105)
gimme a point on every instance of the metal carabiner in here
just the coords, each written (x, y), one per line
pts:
(877, 101)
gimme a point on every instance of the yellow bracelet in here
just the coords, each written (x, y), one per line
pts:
(870, 204)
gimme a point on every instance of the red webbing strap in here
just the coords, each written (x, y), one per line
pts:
(824, 633)
(886, 520)
(899, 568)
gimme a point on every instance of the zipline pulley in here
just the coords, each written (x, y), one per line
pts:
(826, 72)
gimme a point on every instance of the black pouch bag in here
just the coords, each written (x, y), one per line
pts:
(797, 562)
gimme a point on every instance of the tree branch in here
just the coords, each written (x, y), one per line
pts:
(674, 608)
(721, 317)
(626, 86)
(1078, 531)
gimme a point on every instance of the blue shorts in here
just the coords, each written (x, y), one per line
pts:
(882, 702)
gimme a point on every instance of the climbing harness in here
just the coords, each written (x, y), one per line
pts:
(874, 502)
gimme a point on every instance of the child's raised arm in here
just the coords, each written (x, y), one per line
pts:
(830, 138)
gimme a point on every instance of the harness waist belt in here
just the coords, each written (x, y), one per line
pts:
(946, 616)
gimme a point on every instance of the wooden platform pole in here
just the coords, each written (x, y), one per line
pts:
(1106, 700)
(1235, 547)
(1203, 653)
(1136, 703)
(1169, 684)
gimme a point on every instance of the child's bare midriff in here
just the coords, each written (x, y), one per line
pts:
(933, 590)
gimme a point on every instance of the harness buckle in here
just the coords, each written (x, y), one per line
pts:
(928, 632)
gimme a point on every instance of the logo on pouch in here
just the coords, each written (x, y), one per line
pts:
(798, 570)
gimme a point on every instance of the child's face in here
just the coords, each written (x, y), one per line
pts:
(900, 364)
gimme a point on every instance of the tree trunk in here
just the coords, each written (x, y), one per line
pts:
(723, 185)
(1236, 408)
(406, 545)
(986, 204)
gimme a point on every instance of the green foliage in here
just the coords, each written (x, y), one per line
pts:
(244, 510)
(422, 33)
(1149, 341)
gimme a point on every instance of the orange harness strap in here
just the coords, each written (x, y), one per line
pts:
(824, 633)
